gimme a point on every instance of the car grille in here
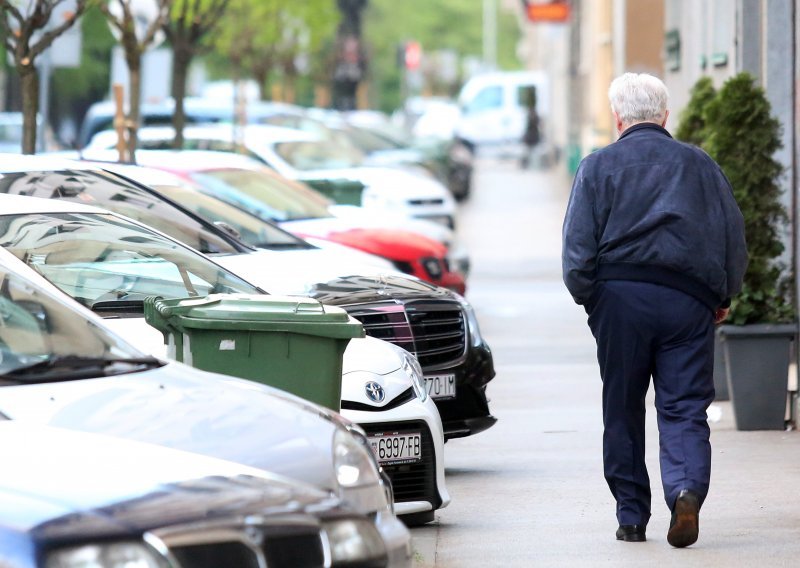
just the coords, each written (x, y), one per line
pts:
(433, 331)
(298, 547)
(414, 481)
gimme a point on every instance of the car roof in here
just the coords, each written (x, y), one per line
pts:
(255, 134)
(22, 205)
(14, 163)
(175, 160)
(137, 172)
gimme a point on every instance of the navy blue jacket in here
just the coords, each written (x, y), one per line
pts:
(651, 209)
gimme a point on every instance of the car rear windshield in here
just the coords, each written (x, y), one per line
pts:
(263, 194)
(250, 229)
(309, 155)
(103, 260)
(96, 187)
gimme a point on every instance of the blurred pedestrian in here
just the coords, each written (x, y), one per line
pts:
(653, 248)
(531, 136)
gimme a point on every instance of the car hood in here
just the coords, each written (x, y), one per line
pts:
(186, 409)
(59, 483)
(402, 184)
(396, 244)
(353, 217)
(354, 290)
(294, 272)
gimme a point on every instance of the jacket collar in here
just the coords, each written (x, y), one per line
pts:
(643, 126)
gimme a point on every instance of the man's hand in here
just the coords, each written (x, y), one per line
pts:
(721, 314)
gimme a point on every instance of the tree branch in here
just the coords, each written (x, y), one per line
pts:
(49, 36)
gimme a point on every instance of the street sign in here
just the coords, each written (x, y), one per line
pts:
(413, 55)
(556, 11)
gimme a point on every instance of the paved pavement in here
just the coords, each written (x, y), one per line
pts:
(530, 491)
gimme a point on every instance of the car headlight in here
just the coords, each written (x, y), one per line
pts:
(355, 542)
(111, 555)
(432, 265)
(472, 321)
(357, 473)
(412, 368)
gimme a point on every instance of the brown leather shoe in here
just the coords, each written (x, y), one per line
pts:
(685, 524)
(631, 533)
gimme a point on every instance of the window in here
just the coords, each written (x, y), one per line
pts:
(487, 98)
(101, 259)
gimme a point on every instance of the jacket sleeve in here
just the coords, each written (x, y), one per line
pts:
(735, 246)
(579, 241)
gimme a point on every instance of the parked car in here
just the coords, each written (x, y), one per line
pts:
(423, 319)
(452, 352)
(140, 262)
(62, 367)
(198, 110)
(445, 157)
(311, 158)
(73, 499)
(248, 185)
(494, 111)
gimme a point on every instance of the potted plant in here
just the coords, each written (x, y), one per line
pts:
(742, 136)
(692, 129)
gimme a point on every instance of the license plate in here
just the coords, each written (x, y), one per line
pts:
(441, 386)
(397, 448)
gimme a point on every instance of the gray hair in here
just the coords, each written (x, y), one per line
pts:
(638, 97)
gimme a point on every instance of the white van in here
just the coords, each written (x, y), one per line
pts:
(494, 106)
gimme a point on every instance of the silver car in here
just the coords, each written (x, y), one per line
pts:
(60, 366)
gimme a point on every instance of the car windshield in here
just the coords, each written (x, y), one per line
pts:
(369, 141)
(42, 338)
(263, 194)
(112, 192)
(250, 229)
(309, 155)
(110, 264)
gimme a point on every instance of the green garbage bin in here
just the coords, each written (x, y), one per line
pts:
(294, 344)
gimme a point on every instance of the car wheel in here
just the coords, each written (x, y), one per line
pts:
(417, 519)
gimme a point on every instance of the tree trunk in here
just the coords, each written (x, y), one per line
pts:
(29, 81)
(261, 76)
(180, 73)
(290, 87)
(135, 97)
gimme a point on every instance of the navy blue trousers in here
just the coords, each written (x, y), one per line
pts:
(645, 330)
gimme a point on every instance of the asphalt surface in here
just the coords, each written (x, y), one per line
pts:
(530, 491)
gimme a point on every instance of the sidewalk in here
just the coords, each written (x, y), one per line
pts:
(530, 491)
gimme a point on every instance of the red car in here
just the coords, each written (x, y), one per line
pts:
(301, 210)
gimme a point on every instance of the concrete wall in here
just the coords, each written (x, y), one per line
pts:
(706, 31)
(644, 25)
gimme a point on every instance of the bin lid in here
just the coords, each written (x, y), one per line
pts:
(257, 312)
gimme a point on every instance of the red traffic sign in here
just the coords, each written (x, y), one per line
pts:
(413, 55)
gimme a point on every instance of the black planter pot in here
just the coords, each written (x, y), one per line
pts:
(757, 367)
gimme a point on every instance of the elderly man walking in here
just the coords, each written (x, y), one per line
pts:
(653, 248)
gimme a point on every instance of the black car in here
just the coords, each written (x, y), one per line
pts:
(72, 499)
(436, 325)
(433, 323)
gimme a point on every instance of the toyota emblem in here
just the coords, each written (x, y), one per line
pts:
(375, 391)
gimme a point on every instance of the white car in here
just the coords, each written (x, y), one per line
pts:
(367, 362)
(60, 366)
(301, 155)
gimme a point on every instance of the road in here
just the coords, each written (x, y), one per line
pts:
(530, 491)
